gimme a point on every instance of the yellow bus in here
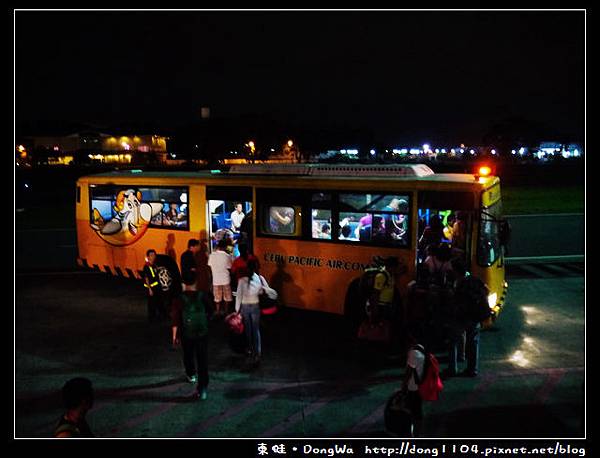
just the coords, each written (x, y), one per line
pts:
(314, 227)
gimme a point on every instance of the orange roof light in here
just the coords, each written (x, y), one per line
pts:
(484, 171)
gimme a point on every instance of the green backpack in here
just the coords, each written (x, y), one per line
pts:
(194, 316)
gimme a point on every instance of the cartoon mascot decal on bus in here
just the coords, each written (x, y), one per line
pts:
(131, 219)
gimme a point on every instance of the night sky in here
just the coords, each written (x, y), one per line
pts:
(403, 75)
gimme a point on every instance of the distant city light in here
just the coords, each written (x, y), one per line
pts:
(415, 151)
(404, 151)
(452, 150)
(472, 151)
(576, 153)
(372, 152)
(425, 147)
(462, 150)
(521, 151)
(290, 143)
(513, 152)
(397, 151)
(493, 151)
(26, 185)
(272, 149)
(21, 148)
(443, 150)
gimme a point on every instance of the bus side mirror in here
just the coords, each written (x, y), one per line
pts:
(504, 232)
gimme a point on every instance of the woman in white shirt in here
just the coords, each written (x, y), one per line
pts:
(249, 289)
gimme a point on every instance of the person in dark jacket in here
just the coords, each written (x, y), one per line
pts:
(188, 259)
(78, 397)
(190, 329)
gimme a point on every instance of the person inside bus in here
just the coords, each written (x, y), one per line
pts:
(237, 216)
(364, 222)
(459, 233)
(377, 229)
(397, 224)
(281, 219)
(325, 232)
(346, 232)
(433, 234)
(172, 216)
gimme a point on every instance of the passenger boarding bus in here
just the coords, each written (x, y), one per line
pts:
(314, 228)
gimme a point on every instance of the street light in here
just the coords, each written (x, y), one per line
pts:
(290, 143)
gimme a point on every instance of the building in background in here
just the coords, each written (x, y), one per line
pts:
(97, 147)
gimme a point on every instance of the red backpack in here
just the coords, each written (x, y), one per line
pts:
(431, 383)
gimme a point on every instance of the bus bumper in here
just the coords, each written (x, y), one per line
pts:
(496, 309)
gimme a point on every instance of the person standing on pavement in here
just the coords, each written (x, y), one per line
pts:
(190, 329)
(240, 264)
(249, 288)
(78, 397)
(155, 293)
(470, 308)
(188, 259)
(220, 265)
(413, 375)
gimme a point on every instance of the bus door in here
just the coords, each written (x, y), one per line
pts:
(226, 209)
(445, 217)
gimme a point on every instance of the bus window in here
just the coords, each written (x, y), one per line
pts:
(321, 216)
(321, 224)
(107, 202)
(378, 218)
(280, 220)
(488, 248)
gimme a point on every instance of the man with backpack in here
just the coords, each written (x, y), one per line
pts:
(190, 328)
(470, 309)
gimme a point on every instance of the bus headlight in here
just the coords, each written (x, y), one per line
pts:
(492, 299)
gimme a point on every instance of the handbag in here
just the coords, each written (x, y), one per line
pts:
(235, 323)
(268, 306)
(397, 415)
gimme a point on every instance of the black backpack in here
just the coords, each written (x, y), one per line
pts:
(472, 299)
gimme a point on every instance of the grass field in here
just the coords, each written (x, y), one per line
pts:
(520, 200)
